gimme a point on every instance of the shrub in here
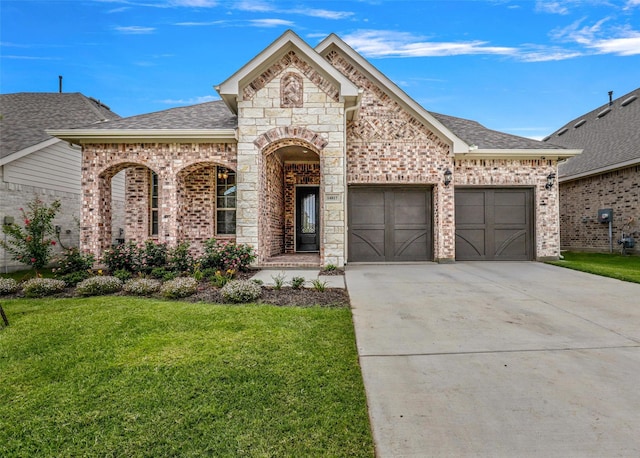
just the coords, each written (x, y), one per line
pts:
(73, 260)
(73, 278)
(122, 275)
(237, 291)
(97, 286)
(152, 255)
(330, 267)
(226, 256)
(319, 285)
(179, 258)
(8, 286)
(122, 257)
(278, 281)
(142, 286)
(179, 287)
(297, 282)
(32, 244)
(41, 287)
(218, 280)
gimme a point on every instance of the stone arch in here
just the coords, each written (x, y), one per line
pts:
(291, 134)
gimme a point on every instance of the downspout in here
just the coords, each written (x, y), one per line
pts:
(348, 110)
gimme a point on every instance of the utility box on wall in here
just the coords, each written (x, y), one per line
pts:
(605, 215)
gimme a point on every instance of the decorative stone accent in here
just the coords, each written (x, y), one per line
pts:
(291, 91)
(287, 136)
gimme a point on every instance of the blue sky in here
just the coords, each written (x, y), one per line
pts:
(523, 67)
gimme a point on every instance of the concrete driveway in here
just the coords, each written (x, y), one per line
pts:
(498, 359)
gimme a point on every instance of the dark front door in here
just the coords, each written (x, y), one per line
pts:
(390, 224)
(494, 224)
(307, 218)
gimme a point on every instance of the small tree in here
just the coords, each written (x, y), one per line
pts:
(31, 244)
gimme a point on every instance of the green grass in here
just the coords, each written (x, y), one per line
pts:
(625, 268)
(121, 376)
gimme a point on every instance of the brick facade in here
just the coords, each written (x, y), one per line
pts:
(173, 163)
(530, 173)
(580, 201)
(386, 145)
(289, 107)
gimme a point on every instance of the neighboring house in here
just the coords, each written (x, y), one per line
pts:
(313, 150)
(605, 176)
(35, 164)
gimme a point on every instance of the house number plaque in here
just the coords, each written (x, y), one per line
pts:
(333, 197)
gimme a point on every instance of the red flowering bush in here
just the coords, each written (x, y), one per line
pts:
(31, 243)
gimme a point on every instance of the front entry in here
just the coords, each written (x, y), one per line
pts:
(307, 218)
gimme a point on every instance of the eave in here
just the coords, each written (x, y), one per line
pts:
(83, 136)
(26, 151)
(599, 171)
(518, 154)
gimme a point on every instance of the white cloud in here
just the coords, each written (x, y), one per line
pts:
(325, 14)
(199, 24)
(632, 4)
(194, 3)
(271, 23)
(627, 46)
(552, 7)
(135, 30)
(546, 53)
(254, 5)
(386, 43)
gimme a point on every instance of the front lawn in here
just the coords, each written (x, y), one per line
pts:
(123, 376)
(625, 268)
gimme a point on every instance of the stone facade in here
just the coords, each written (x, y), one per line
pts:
(580, 201)
(266, 125)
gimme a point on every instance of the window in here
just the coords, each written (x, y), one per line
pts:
(225, 201)
(153, 203)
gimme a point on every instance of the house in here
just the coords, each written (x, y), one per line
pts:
(314, 157)
(605, 176)
(33, 163)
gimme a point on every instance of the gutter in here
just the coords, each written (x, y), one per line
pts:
(80, 136)
(489, 153)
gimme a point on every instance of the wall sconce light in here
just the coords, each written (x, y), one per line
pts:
(120, 232)
(222, 173)
(551, 178)
(447, 177)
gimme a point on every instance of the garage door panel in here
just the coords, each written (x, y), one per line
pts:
(368, 245)
(470, 243)
(400, 229)
(410, 245)
(496, 226)
(510, 243)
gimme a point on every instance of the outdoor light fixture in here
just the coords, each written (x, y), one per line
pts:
(222, 173)
(447, 177)
(550, 180)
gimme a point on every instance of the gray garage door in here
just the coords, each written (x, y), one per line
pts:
(494, 224)
(390, 224)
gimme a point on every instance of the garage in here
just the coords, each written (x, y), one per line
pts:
(494, 224)
(389, 224)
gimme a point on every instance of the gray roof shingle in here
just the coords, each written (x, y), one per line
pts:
(474, 133)
(609, 135)
(209, 115)
(26, 115)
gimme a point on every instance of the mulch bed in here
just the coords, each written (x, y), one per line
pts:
(286, 296)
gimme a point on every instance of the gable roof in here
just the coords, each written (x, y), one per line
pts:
(469, 138)
(26, 116)
(609, 136)
(231, 89)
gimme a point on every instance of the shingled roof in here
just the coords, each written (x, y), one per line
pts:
(210, 115)
(609, 136)
(474, 133)
(26, 115)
